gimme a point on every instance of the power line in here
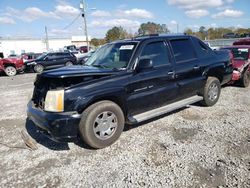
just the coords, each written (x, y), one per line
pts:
(72, 22)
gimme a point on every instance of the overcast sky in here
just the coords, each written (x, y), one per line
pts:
(29, 17)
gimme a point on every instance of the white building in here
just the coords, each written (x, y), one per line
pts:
(23, 45)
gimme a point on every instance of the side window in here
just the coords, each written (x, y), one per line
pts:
(183, 50)
(48, 56)
(157, 52)
(57, 55)
(202, 48)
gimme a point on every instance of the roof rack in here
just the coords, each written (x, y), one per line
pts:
(161, 34)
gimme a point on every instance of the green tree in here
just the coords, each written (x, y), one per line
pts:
(116, 33)
(202, 33)
(189, 31)
(152, 28)
(97, 42)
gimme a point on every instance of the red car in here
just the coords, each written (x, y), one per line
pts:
(245, 41)
(241, 63)
(83, 49)
(11, 65)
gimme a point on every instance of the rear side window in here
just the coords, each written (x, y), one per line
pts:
(61, 54)
(183, 50)
(157, 52)
(52, 56)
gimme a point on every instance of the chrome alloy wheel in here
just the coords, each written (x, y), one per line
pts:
(105, 125)
(213, 92)
(10, 71)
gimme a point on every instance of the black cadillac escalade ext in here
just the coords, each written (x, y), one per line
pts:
(127, 81)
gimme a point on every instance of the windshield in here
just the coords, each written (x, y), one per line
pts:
(41, 56)
(240, 53)
(113, 56)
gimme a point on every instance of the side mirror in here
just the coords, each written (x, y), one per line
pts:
(144, 64)
(46, 58)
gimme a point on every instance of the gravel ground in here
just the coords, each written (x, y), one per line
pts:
(192, 147)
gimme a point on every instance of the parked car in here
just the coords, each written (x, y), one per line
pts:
(231, 35)
(84, 57)
(30, 56)
(70, 48)
(241, 63)
(83, 49)
(242, 42)
(51, 61)
(127, 81)
(10, 66)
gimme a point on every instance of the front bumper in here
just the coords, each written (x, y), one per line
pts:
(61, 127)
(28, 67)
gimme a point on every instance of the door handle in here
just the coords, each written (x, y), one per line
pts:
(171, 73)
(54, 60)
(196, 67)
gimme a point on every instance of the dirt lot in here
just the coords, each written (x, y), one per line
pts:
(192, 147)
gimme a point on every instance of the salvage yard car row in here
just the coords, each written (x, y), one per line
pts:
(40, 62)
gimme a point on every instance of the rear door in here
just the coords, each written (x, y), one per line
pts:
(188, 72)
(152, 88)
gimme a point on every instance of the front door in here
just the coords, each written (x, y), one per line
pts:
(152, 88)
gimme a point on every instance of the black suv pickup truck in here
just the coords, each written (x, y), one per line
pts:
(51, 60)
(127, 81)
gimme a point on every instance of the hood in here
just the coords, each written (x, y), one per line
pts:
(75, 71)
(239, 63)
(11, 59)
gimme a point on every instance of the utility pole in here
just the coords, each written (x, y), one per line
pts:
(177, 27)
(46, 39)
(83, 8)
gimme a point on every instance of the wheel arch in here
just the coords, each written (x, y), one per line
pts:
(115, 97)
(215, 71)
(9, 64)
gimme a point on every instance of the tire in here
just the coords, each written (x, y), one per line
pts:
(38, 68)
(95, 128)
(211, 92)
(69, 63)
(10, 71)
(245, 80)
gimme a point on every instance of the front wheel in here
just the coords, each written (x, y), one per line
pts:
(245, 80)
(10, 71)
(38, 68)
(102, 124)
(69, 63)
(211, 92)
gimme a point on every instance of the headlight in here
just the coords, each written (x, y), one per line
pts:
(32, 63)
(54, 101)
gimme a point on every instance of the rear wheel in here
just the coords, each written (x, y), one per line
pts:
(10, 71)
(38, 68)
(102, 124)
(211, 92)
(245, 80)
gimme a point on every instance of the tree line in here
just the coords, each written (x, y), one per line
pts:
(119, 33)
(218, 33)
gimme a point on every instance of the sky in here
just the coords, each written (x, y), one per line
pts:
(28, 18)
